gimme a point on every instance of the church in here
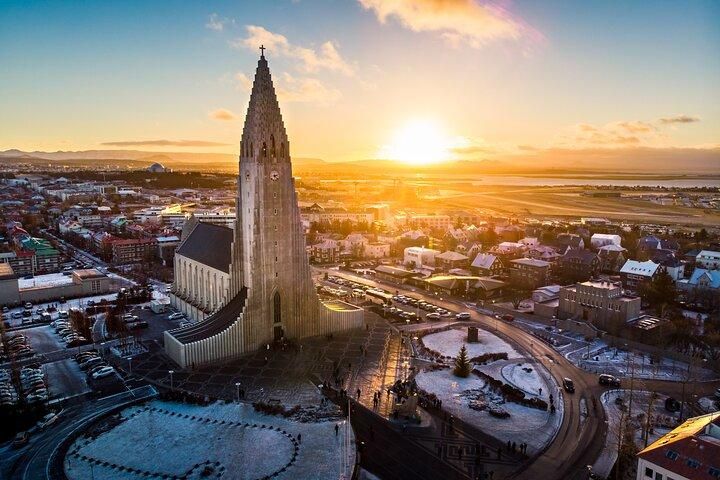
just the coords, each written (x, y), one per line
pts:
(251, 285)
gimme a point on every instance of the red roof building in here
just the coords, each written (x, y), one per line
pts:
(691, 451)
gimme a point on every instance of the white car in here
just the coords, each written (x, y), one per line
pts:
(175, 316)
(103, 372)
(463, 316)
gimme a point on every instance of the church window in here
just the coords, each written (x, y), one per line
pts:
(275, 212)
(264, 149)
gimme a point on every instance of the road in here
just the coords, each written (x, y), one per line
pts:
(31, 462)
(579, 441)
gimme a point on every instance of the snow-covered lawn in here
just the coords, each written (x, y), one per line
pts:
(448, 343)
(533, 426)
(167, 438)
(525, 377)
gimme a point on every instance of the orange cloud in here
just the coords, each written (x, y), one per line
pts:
(458, 22)
(222, 114)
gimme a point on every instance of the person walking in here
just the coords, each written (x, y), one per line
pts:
(299, 438)
(337, 429)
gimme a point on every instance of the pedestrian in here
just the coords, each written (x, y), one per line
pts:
(300, 438)
(337, 428)
(540, 390)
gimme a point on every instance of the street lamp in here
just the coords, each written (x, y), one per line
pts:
(237, 385)
(171, 378)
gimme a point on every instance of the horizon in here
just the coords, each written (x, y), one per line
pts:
(546, 87)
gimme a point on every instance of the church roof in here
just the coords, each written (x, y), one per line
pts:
(216, 323)
(208, 244)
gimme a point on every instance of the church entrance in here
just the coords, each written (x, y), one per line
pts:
(278, 333)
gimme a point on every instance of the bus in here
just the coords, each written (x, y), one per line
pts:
(380, 297)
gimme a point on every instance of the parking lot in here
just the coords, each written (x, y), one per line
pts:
(65, 379)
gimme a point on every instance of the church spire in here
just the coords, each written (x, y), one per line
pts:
(264, 131)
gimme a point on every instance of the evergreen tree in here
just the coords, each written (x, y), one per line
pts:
(462, 364)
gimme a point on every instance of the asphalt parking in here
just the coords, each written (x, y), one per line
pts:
(64, 379)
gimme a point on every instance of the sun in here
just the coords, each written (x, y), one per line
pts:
(419, 142)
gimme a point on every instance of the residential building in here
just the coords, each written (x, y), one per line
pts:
(132, 250)
(634, 273)
(449, 259)
(701, 279)
(708, 259)
(612, 258)
(570, 240)
(529, 273)
(601, 239)
(578, 265)
(327, 251)
(487, 265)
(166, 248)
(689, 452)
(377, 250)
(548, 292)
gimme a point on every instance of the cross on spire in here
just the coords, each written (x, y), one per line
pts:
(262, 51)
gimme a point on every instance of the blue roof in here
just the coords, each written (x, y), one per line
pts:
(712, 275)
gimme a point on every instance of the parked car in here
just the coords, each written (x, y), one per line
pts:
(608, 380)
(507, 317)
(462, 316)
(568, 385)
(175, 316)
(433, 316)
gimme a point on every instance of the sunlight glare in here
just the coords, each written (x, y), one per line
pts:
(419, 142)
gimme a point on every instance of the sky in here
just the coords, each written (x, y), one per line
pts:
(358, 79)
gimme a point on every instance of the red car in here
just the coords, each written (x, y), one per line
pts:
(507, 317)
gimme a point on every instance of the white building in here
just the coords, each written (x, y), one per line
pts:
(601, 239)
(420, 256)
(708, 260)
(377, 250)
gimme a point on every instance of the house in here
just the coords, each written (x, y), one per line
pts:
(601, 303)
(529, 273)
(601, 239)
(578, 265)
(570, 240)
(701, 279)
(634, 273)
(690, 451)
(486, 288)
(377, 250)
(545, 293)
(355, 244)
(543, 252)
(487, 265)
(708, 259)
(132, 250)
(509, 250)
(612, 258)
(449, 259)
(647, 244)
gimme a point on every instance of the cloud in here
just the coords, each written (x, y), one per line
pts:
(636, 126)
(310, 60)
(164, 143)
(678, 119)
(458, 22)
(243, 81)
(216, 23)
(222, 114)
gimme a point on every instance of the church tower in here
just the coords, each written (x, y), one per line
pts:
(270, 290)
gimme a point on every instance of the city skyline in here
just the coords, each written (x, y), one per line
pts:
(366, 79)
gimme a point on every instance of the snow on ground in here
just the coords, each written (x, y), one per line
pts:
(172, 438)
(448, 343)
(663, 422)
(530, 425)
(525, 377)
(709, 404)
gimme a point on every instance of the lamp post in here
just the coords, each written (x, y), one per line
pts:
(237, 386)
(171, 378)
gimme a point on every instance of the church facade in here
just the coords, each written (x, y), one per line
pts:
(251, 285)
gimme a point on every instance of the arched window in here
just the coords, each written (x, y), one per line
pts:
(264, 149)
(277, 318)
(272, 146)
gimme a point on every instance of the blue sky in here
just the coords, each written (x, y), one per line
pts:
(551, 74)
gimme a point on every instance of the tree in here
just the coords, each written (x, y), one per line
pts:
(462, 364)
(517, 295)
(660, 292)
